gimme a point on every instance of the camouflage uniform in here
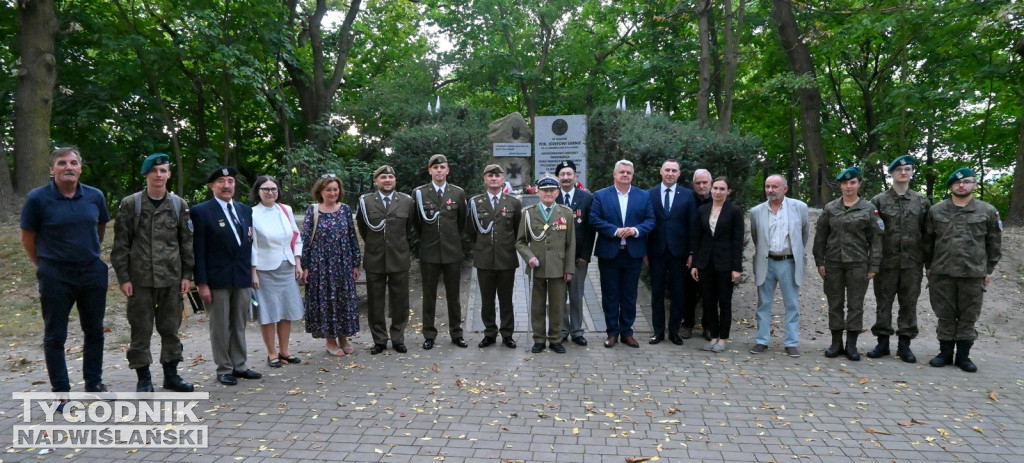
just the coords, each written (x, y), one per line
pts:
(848, 243)
(962, 246)
(902, 258)
(154, 255)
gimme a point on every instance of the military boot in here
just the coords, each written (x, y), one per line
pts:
(145, 383)
(963, 356)
(174, 382)
(881, 350)
(836, 348)
(851, 345)
(903, 350)
(945, 356)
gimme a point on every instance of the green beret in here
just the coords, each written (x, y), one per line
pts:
(493, 169)
(960, 174)
(905, 160)
(849, 174)
(547, 181)
(437, 159)
(222, 171)
(154, 160)
(385, 169)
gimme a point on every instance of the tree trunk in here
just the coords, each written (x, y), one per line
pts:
(704, 79)
(1016, 213)
(9, 202)
(731, 61)
(33, 98)
(810, 101)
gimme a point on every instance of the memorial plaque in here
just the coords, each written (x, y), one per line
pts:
(560, 138)
(512, 149)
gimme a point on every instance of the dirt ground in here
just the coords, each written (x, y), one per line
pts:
(1001, 326)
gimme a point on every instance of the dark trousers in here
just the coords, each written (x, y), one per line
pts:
(957, 304)
(691, 297)
(500, 283)
(619, 279)
(668, 273)
(716, 286)
(903, 284)
(845, 285)
(430, 273)
(396, 285)
(61, 286)
(547, 309)
(159, 307)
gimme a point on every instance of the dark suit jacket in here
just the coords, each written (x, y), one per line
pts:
(673, 234)
(725, 247)
(220, 262)
(497, 249)
(440, 242)
(386, 251)
(580, 206)
(606, 218)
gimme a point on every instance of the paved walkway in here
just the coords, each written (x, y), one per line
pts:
(663, 402)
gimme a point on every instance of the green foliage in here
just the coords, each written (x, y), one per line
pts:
(648, 141)
(459, 133)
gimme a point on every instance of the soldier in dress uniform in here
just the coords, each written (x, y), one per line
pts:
(494, 224)
(385, 218)
(152, 256)
(962, 247)
(547, 242)
(847, 251)
(441, 219)
(903, 210)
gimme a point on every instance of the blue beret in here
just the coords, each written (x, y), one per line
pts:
(849, 173)
(154, 160)
(960, 174)
(905, 160)
(547, 181)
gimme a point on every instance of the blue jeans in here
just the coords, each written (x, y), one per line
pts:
(780, 272)
(61, 286)
(620, 277)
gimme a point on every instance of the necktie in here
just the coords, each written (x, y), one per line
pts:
(387, 201)
(494, 202)
(235, 222)
(565, 198)
(440, 193)
(668, 203)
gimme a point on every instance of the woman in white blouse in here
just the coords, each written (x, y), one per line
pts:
(277, 267)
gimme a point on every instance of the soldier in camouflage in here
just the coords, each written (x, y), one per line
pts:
(962, 247)
(152, 256)
(903, 212)
(847, 250)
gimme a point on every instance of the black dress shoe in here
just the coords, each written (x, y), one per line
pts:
(537, 348)
(488, 341)
(177, 384)
(401, 349)
(686, 333)
(657, 338)
(378, 348)
(558, 348)
(248, 374)
(227, 380)
(579, 340)
(460, 342)
(144, 385)
(428, 344)
(675, 339)
(509, 342)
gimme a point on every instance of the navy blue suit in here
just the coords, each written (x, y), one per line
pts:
(582, 200)
(226, 267)
(669, 245)
(620, 266)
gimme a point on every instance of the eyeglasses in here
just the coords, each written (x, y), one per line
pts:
(268, 190)
(904, 169)
(328, 176)
(965, 182)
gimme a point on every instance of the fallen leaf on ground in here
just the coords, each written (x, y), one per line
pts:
(875, 431)
(993, 396)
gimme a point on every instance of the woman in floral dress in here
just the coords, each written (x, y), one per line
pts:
(331, 259)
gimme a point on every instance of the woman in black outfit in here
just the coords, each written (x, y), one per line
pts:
(718, 261)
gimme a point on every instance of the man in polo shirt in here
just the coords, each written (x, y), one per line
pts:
(62, 226)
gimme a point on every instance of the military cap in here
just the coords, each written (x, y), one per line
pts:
(849, 173)
(547, 181)
(385, 169)
(493, 169)
(960, 174)
(222, 171)
(565, 164)
(437, 159)
(155, 159)
(905, 160)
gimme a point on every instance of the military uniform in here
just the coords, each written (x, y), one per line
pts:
(552, 240)
(439, 224)
(848, 243)
(902, 259)
(386, 261)
(495, 228)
